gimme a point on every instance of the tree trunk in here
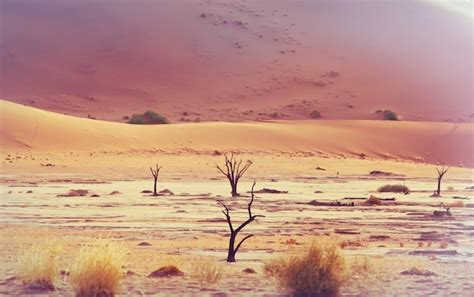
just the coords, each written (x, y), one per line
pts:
(231, 252)
(234, 190)
(438, 191)
(154, 187)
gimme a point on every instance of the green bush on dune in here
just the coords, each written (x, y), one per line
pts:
(148, 118)
(389, 115)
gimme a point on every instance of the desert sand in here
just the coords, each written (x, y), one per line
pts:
(233, 60)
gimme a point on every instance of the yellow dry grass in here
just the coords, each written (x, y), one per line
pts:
(97, 269)
(205, 271)
(317, 271)
(38, 266)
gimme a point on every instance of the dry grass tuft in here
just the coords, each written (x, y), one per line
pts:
(318, 271)
(360, 266)
(206, 272)
(38, 266)
(394, 189)
(97, 269)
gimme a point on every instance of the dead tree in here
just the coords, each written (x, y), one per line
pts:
(233, 232)
(234, 171)
(441, 172)
(155, 172)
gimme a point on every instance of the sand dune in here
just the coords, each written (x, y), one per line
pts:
(27, 128)
(233, 61)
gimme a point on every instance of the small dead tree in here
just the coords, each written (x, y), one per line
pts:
(155, 172)
(234, 171)
(441, 172)
(233, 232)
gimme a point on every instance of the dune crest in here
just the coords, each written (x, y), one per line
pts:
(24, 128)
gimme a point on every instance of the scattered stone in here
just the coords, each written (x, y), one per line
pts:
(249, 270)
(144, 243)
(29, 192)
(318, 192)
(41, 285)
(382, 173)
(166, 192)
(147, 192)
(115, 193)
(416, 271)
(372, 200)
(330, 203)
(434, 252)
(95, 195)
(346, 231)
(379, 237)
(167, 271)
(75, 193)
(270, 191)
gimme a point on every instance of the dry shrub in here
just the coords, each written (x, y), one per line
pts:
(38, 266)
(206, 272)
(394, 189)
(97, 269)
(317, 271)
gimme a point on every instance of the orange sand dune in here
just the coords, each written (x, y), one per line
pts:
(26, 128)
(238, 60)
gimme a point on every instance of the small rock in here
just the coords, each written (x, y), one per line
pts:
(248, 270)
(416, 271)
(166, 271)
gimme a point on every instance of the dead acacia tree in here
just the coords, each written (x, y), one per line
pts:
(155, 172)
(234, 171)
(233, 249)
(441, 172)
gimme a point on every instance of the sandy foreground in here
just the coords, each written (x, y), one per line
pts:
(45, 155)
(188, 226)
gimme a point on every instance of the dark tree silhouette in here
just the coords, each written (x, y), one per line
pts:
(234, 171)
(441, 172)
(155, 172)
(233, 232)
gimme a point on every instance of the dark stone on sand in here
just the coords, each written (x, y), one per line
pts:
(167, 271)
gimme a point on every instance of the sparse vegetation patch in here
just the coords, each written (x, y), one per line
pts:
(38, 266)
(97, 269)
(317, 271)
(148, 118)
(394, 189)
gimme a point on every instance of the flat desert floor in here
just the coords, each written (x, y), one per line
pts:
(187, 225)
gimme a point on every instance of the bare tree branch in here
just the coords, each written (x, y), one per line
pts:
(233, 233)
(233, 171)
